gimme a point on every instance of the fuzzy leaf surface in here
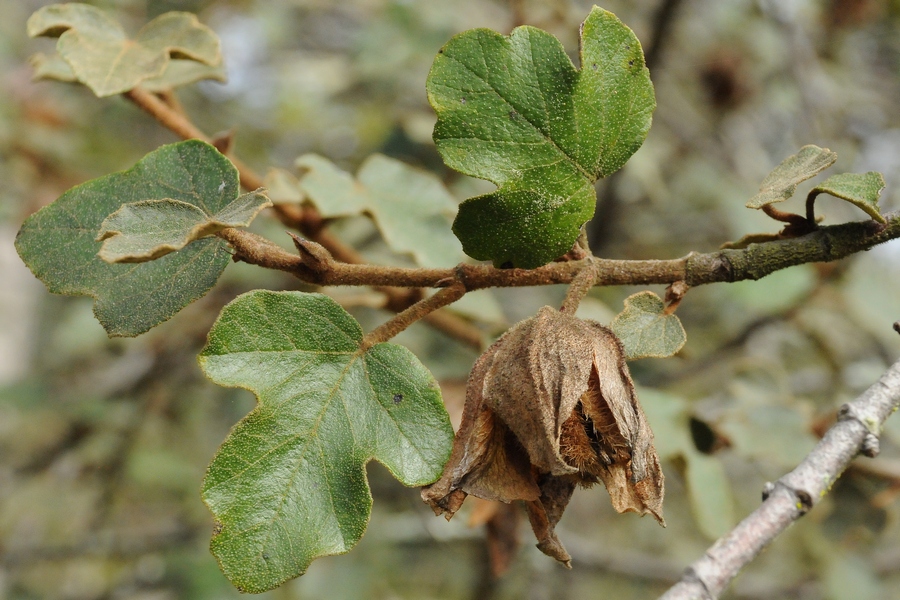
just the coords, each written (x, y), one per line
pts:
(645, 330)
(781, 183)
(288, 485)
(859, 189)
(59, 245)
(102, 56)
(515, 111)
(146, 230)
(411, 207)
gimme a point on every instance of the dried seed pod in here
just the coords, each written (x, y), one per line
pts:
(551, 405)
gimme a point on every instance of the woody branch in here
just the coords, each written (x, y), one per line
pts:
(792, 496)
(313, 264)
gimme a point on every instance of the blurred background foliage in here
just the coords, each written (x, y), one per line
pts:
(103, 443)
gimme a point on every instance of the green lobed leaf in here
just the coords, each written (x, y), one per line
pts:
(859, 189)
(782, 182)
(146, 230)
(58, 243)
(515, 111)
(102, 56)
(645, 330)
(288, 485)
(411, 207)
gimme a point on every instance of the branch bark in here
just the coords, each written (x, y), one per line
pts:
(753, 262)
(792, 496)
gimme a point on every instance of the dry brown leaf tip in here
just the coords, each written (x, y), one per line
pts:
(549, 406)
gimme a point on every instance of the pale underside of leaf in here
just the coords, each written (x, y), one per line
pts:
(51, 67)
(645, 330)
(782, 182)
(102, 57)
(183, 72)
(515, 111)
(289, 485)
(146, 230)
(860, 189)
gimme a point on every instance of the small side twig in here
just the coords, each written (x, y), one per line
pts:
(783, 216)
(580, 286)
(417, 311)
(674, 295)
(796, 493)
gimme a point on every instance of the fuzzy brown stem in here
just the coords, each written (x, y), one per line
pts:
(729, 265)
(783, 216)
(796, 493)
(811, 207)
(580, 286)
(417, 311)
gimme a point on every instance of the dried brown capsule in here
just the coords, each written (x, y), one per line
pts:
(551, 405)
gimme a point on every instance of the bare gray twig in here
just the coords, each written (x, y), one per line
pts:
(792, 496)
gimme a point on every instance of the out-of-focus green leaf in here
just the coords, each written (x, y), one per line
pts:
(283, 187)
(782, 182)
(668, 418)
(515, 111)
(859, 189)
(333, 191)
(645, 330)
(412, 208)
(51, 67)
(776, 434)
(709, 490)
(710, 494)
(178, 72)
(849, 575)
(106, 60)
(59, 245)
(183, 72)
(146, 230)
(289, 483)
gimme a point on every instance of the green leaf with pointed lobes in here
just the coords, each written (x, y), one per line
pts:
(288, 485)
(515, 111)
(59, 242)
